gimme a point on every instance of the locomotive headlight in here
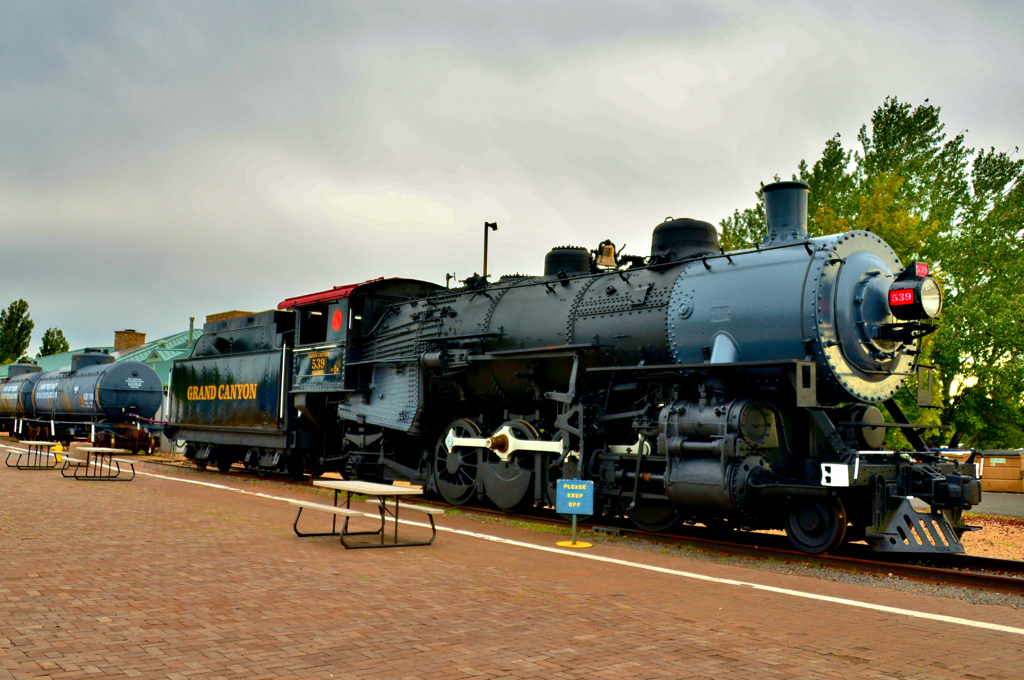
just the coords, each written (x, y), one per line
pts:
(931, 298)
(915, 298)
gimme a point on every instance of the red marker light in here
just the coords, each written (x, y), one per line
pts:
(336, 320)
(921, 269)
(901, 296)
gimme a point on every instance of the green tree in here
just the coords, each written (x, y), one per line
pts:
(54, 342)
(745, 228)
(15, 331)
(834, 198)
(932, 197)
(980, 343)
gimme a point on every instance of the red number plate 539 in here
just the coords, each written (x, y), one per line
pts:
(901, 297)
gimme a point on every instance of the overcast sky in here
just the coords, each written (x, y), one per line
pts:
(161, 160)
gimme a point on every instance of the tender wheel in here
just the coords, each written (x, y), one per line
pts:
(509, 483)
(455, 471)
(296, 467)
(224, 462)
(816, 526)
(203, 456)
(653, 518)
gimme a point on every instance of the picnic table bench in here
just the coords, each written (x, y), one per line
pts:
(387, 507)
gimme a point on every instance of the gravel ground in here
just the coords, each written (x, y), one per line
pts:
(1000, 537)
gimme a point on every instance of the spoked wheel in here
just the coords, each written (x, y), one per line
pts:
(817, 526)
(653, 518)
(509, 483)
(455, 471)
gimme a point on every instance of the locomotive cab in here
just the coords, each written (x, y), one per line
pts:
(330, 331)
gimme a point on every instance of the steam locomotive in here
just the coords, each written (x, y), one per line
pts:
(737, 389)
(96, 399)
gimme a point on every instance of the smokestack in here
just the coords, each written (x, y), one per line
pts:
(785, 209)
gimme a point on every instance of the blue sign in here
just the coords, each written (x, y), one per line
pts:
(575, 497)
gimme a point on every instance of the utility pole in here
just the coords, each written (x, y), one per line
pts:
(487, 227)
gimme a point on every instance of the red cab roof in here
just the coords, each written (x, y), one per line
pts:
(336, 293)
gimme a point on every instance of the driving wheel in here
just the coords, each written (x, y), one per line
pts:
(455, 471)
(509, 483)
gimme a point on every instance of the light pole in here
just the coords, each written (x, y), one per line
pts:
(487, 227)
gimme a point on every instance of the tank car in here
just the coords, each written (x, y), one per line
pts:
(739, 389)
(97, 397)
(16, 394)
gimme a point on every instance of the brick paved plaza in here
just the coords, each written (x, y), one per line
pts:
(163, 579)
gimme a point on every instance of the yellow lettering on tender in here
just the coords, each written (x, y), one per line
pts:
(211, 392)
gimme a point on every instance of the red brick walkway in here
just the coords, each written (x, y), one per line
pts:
(160, 579)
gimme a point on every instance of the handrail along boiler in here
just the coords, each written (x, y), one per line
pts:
(737, 389)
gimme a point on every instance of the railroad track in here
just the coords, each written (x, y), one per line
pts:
(959, 570)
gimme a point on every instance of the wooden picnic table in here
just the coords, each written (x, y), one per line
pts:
(388, 502)
(37, 456)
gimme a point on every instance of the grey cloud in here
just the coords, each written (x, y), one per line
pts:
(167, 160)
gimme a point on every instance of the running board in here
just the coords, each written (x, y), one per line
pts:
(905, 530)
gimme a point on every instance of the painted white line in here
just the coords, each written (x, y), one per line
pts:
(661, 570)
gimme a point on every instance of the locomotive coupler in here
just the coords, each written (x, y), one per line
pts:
(897, 526)
(941, 491)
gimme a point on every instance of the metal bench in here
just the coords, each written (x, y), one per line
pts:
(388, 507)
(36, 456)
(331, 509)
(405, 506)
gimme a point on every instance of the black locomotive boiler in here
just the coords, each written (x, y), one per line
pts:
(738, 389)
